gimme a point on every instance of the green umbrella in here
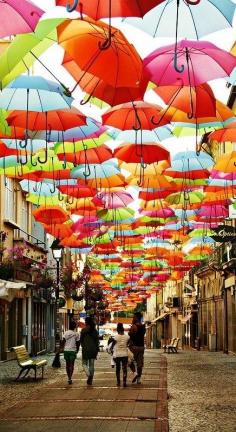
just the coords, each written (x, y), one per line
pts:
(201, 232)
(115, 214)
(70, 147)
(185, 198)
(26, 48)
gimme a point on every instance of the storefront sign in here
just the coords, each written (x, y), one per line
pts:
(224, 233)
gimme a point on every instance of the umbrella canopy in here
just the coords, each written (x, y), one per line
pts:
(138, 116)
(147, 153)
(198, 62)
(106, 8)
(161, 21)
(34, 93)
(50, 215)
(88, 36)
(18, 17)
(198, 101)
(113, 199)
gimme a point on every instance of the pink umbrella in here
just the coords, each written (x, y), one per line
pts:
(18, 16)
(215, 211)
(199, 62)
(162, 213)
(112, 199)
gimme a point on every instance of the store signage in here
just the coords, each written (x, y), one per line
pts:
(224, 233)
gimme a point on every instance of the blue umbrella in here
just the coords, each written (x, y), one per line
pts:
(103, 170)
(190, 161)
(34, 93)
(42, 188)
(81, 132)
(191, 20)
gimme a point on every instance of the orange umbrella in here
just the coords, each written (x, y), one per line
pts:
(138, 115)
(90, 156)
(52, 120)
(96, 87)
(228, 133)
(226, 163)
(59, 230)
(50, 215)
(73, 242)
(90, 38)
(198, 101)
(147, 153)
(107, 182)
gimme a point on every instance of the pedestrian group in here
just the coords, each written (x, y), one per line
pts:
(125, 349)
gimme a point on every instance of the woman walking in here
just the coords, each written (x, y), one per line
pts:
(120, 353)
(89, 341)
(71, 347)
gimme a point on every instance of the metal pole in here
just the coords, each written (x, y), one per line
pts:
(56, 362)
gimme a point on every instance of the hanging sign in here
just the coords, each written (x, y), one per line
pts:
(224, 233)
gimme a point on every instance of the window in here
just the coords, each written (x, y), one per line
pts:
(25, 217)
(10, 201)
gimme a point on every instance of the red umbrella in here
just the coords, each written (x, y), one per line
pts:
(50, 215)
(90, 156)
(96, 87)
(147, 153)
(97, 9)
(51, 120)
(138, 115)
(77, 191)
(198, 101)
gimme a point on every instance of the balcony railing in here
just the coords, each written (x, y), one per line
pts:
(21, 234)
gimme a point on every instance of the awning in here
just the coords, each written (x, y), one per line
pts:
(186, 318)
(8, 289)
(160, 317)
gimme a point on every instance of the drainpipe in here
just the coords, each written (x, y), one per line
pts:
(225, 332)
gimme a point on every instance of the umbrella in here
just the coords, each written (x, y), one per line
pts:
(97, 171)
(186, 18)
(113, 199)
(98, 88)
(147, 153)
(26, 48)
(228, 133)
(106, 8)
(90, 37)
(137, 116)
(90, 156)
(226, 163)
(34, 93)
(18, 17)
(50, 215)
(199, 62)
(198, 101)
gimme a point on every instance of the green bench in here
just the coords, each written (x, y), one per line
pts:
(26, 363)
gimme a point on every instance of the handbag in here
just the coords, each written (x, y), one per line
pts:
(130, 356)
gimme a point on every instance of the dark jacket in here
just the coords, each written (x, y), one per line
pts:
(136, 334)
(89, 341)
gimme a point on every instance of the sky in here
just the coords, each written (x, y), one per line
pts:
(144, 44)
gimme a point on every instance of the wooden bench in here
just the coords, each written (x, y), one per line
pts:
(166, 347)
(26, 363)
(173, 348)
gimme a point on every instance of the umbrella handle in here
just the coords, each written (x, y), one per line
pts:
(70, 200)
(193, 3)
(177, 68)
(137, 118)
(85, 101)
(60, 197)
(54, 188)
(70, 8)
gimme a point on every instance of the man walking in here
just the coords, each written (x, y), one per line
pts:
(136, 333)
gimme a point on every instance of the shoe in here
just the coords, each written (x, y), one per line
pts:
(90, 380)
(134, 379)
(70, 381)
(138, 380)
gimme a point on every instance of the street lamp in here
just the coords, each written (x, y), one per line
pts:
(57, 255)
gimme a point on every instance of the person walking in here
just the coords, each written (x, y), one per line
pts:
(89, 340)
(120, 353)
(136, 333)
(71, 347)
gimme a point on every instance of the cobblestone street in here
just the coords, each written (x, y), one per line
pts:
(201, 397)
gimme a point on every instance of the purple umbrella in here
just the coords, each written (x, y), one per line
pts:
(18, 16)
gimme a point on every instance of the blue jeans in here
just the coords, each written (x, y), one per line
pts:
(88, 366)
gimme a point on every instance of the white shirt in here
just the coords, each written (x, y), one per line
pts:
(121, 345)
(71, 337)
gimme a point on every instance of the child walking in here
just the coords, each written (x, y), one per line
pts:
(121, 353)
(71, 347)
